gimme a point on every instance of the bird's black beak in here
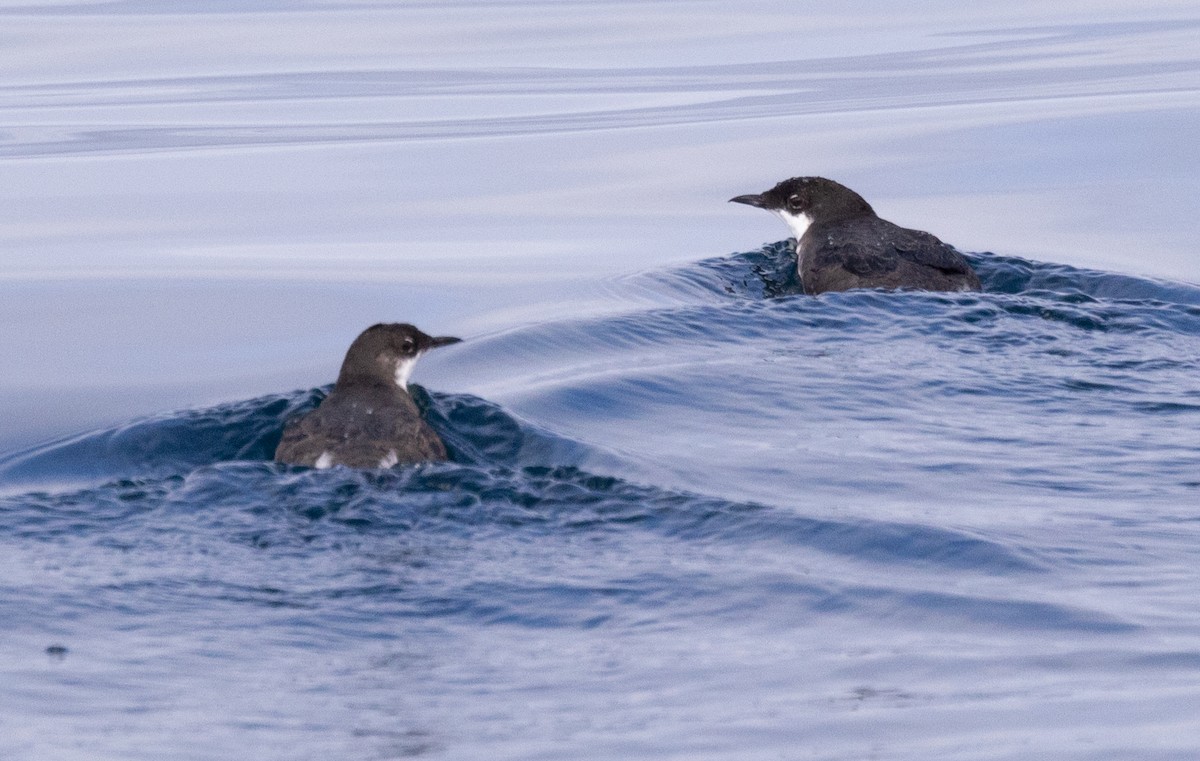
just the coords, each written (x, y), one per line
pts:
(436, 341)
(750, 200)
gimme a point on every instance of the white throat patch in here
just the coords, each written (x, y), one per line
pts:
(797, 223)
(404, 369)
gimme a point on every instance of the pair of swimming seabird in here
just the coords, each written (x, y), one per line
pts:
(370, 421)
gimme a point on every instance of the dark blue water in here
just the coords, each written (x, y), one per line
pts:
(733, 522)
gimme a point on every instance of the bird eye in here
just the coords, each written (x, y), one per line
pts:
(408, 345)
(794, 203)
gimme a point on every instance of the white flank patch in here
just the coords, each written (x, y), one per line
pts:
(324, 461)
(797, 223)
(389, 460)
(403, 370)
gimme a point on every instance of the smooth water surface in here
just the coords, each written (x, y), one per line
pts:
(691, 512)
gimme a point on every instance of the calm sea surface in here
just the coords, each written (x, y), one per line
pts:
(691, 513)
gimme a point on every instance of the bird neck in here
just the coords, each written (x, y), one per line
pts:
(844, 206)
(351, 377)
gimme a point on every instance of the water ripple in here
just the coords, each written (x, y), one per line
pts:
(1031, 64)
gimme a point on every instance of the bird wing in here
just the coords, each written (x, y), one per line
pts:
(877, 249)
(362, 430)
(862, 255)
(927, 250)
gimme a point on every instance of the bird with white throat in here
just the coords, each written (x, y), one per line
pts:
(842, 244)
(369, 419)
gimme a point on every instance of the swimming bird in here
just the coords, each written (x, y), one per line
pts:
(369, 420)
(841, 243)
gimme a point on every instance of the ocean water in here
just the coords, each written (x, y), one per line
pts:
(691, 512)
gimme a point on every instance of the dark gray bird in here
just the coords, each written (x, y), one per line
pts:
(369, 420)
(841, 244)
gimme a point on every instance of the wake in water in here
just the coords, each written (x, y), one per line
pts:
(736, 305)
(770, 273)
(805, 500)
(173, 444)
(214, 465)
